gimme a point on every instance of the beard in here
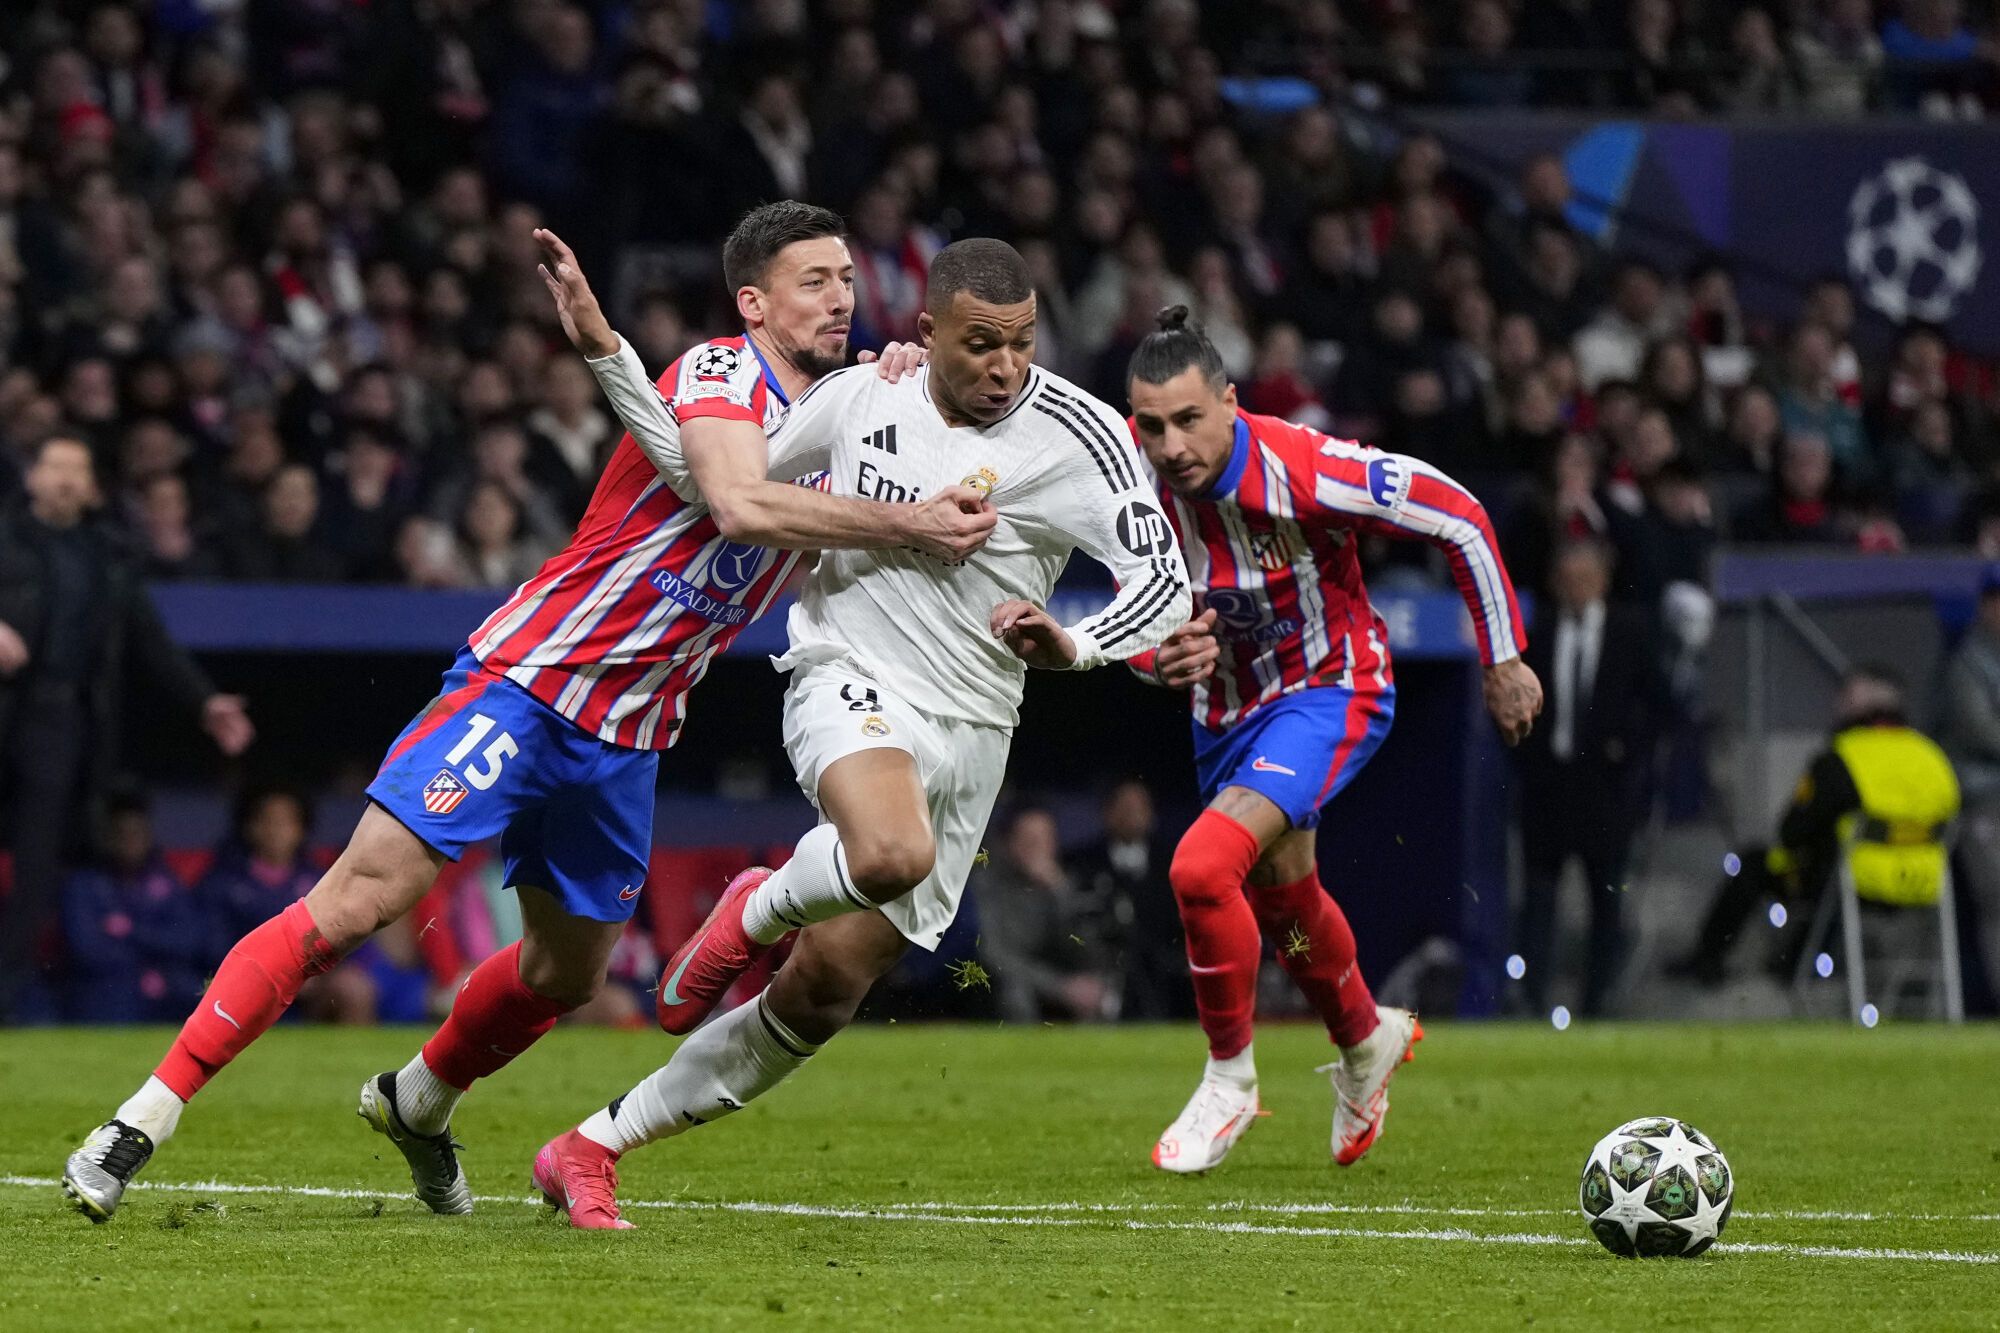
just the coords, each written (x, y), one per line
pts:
(813, 363)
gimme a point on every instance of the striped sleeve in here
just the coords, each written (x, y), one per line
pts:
(1108, 508)
(1396, 495)
(637, 401)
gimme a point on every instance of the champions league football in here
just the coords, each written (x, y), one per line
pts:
(1656, 1188)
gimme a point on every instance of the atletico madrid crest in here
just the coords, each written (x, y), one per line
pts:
(443, 793)
(1273, 550)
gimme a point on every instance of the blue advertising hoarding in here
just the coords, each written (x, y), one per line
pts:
(1902, 210)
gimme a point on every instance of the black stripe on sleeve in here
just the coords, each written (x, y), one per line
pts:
(1140, 613)
(1104, 467)
(1121, 455)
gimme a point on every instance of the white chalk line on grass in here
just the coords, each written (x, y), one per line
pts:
(1417, 1210)
(1049, 1215)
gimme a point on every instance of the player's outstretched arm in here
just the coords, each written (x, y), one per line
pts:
(729, 460)
(1399, 496)
(576, 305)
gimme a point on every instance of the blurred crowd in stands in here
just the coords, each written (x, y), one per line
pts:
(1087, 935)
(272, 264)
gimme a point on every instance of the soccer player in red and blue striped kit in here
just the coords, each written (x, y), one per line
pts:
(1292, 693)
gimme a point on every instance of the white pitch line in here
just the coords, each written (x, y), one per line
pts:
(1047, 1218)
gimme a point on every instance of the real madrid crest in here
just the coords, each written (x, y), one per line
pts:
(982, 481)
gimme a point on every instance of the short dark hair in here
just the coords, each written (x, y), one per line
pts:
(992, 271)
(765, 231)
(1177, 344)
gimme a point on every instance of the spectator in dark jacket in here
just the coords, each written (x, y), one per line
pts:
(76, 627)
(136, 940)
(1121, 880)
(286, 547)
(1042, 967)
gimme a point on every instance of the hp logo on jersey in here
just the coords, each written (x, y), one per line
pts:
(1144, 531)
(1388, 484)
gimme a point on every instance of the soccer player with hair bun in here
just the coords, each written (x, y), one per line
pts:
(1292, 693)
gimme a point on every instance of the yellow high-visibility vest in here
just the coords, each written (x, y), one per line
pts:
(1895, 844)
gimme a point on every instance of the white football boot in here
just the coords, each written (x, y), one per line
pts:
(433, 1158)
(96, 1174)
(1207, 1127)
(1361, 1081)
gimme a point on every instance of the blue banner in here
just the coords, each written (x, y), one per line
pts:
(1896, 208)
(260, 617)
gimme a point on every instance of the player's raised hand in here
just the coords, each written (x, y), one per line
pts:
(952, 524)
(1514, 698)
(582, 319)
(1034, 636)
(896, 361)
(1188, 655)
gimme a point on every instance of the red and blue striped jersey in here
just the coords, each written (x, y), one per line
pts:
(615, 630)
(1271, 550)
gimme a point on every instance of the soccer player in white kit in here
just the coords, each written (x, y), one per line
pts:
(906, 680)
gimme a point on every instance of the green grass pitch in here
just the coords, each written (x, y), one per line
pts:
(923, 1176)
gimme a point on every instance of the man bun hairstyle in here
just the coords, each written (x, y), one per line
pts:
(765, 231)
(991, 271)
(1175, 345)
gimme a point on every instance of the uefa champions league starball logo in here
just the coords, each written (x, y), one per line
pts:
(1913, 240)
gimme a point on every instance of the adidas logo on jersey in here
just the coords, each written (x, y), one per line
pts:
(883, 439)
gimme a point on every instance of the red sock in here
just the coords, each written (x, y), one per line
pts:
(1209, 869)
(1316, 945)
(495, 1018)
(257, 981)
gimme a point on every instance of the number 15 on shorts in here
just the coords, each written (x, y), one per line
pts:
(487, 771)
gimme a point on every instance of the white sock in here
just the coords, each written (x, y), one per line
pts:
(813, 886)
(424, 1102)
(153, 1110)
(721, 1068)
(1240, 1069)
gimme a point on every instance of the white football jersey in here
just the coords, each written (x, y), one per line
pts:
(1063, 473)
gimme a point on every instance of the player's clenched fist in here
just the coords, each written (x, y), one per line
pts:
(952, 524)
(1034, 636)
(1188, 656)
(1514, 698)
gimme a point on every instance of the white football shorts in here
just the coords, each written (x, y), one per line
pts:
(834, 709)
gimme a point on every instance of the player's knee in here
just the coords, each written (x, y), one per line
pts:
(1199, 876)
(884, 867)
(348, 905)
(554, 979)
